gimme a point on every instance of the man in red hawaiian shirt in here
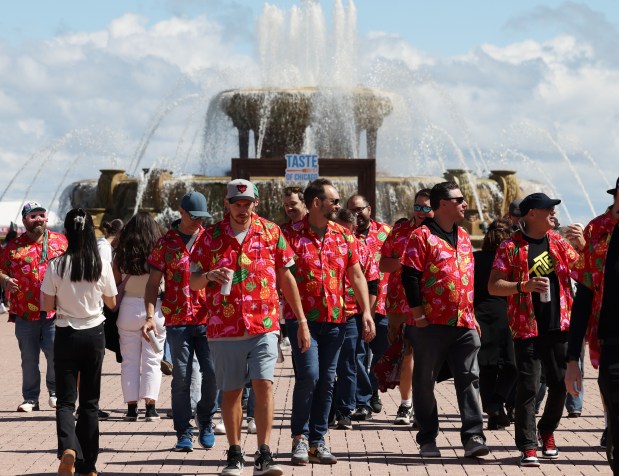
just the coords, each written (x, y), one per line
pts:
(324, 253)
(595, 314)
(398, 311)
(437, 276)
(185, 312)
(533, 261)
(244, 323)
(373, 234)
(23, 263)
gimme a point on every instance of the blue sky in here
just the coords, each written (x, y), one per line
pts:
(532, 85)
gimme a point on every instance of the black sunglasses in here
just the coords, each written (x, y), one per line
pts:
(422, 208)
(458, 200)
(334, 201)
(358, 210)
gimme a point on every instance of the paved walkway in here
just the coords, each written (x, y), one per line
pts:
(28, 441)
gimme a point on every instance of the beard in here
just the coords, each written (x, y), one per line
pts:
(36, 229)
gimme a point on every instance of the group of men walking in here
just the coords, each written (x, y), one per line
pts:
(224, 284)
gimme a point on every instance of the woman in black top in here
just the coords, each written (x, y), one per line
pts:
(497, 366)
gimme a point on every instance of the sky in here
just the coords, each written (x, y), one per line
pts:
(528, 85)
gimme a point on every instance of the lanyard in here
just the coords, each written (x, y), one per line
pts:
(44, 249)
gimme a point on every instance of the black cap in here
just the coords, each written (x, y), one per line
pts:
(537, 200)
(612, 191)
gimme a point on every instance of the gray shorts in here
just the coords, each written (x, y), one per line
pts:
(237, 361)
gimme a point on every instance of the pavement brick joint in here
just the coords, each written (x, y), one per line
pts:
(376, 448)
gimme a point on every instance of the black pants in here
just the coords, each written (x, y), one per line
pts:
(432, 346)
(549, 351)
(608, 380)
(496, 383)
(79, 352)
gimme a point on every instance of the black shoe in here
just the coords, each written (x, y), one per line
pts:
(604, 438)
(343, 423)
(151, 413)
(132, 412)
(376, 403)
(573, 415)
(234, 462)
(103, 415)
(493, 424)
(511, 414)
(166, 367)
(264, 464)
(361, 414)
(498, 417)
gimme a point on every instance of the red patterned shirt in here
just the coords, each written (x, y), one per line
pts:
(447, 277)
(374, 240)
(370, 270)
(320, 266)
(253, 303)
(181, 306)
(512, 258)
(589, 271)
(394, 247)
(26, 262)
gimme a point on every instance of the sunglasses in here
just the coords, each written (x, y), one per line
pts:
(193, 217)
(291, 190)
(458, 200)
(358, 210)
(334, 201)
(422, 208)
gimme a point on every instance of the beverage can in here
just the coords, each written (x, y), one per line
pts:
(154, 342)
(226, 287)
(544, 296)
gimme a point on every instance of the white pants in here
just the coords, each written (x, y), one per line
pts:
(141, 367)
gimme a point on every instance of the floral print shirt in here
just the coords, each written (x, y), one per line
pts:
(180, 306)
(253, 303)
(589, 271)
(320, 266)
(447, 277)
(26, 262)
(512, 258)
(394, 247)
(374, 240)
(370, 270)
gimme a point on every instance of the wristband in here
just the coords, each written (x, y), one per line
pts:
(301, 321)
(148, 318)
(519, 286)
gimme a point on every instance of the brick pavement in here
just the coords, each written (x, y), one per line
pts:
(28, 441)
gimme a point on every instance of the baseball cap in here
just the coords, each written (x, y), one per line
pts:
(194, 203)
(30, 207)
(613, 190)
(514, 207)
(535, 201)
(240, 189)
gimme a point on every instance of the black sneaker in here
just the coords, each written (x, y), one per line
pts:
(403, 417)
(264, 463)
(376, 403)
(132, 412)
(497, 418)
(103, 415)
(234, 462)
(343, 423)
(151, 413)
(361, 414)
(604, 439)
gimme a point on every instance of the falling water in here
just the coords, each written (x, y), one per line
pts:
(596, 167)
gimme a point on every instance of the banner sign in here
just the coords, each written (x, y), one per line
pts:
(301, 167)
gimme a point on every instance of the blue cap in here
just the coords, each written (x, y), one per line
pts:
(194, 203)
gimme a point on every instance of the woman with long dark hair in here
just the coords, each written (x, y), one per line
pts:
(76, 285)
(141, 364)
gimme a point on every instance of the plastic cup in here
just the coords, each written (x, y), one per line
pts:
(226, 287)
(154, 343)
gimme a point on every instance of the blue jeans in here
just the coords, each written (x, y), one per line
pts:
(367, 383)
(313, 387)
(346, 385)
(574, 404)
(185, 341)
(34, 337)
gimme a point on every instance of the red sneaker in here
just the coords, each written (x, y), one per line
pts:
(549, 449)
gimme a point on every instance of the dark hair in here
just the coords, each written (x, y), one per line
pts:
(136, 241)
(298, 191)
(401, 220)
(82, 249)
(424, 192)
(10, 236)
(441, 192)
(347, 216)
(112, 228)
(358, 195)
(498, 231)
(315, 189)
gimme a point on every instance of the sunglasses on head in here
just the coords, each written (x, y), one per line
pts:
(458, 200)
(291, 190)
(422, 208)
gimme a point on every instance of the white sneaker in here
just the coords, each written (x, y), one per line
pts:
(28, 406)
(220, 428)
(251, 426)
(52, 401)
(3, 309)
(285, 343)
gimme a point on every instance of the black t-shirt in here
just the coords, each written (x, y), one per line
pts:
(609, 324)
(541, 264)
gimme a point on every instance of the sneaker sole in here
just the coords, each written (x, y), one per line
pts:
(315, 460)
(432, 454)
(549, 456)
(152, 418)
(530, 464)
(183, 449)
(130, 418)
(299, 461)
(343, 427)
(477, 453)
(402, 422)
(268, 472)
